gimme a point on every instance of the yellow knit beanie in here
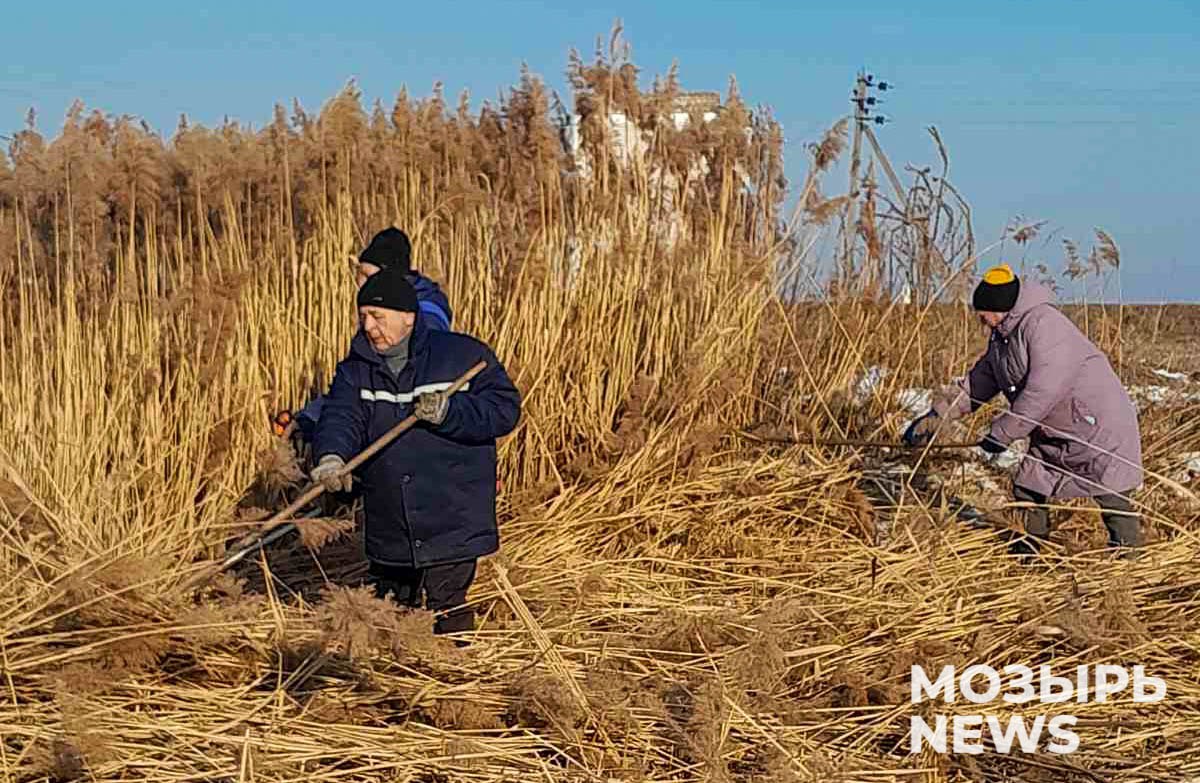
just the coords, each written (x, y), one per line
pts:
(997, 292)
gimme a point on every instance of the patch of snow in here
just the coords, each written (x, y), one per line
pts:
(1151, 394)
(1160, 395)
(869, 383)
(1006, 460)
(1172, 376)
(915, 401)
(1185, 467)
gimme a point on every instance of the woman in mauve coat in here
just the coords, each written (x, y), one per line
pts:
(1063, 396)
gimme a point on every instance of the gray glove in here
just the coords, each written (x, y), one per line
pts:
(326, 473)
(432, 407)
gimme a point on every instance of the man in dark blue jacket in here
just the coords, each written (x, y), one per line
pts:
(389, 249)
(430, 496)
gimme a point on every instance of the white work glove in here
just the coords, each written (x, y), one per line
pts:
(432, 407)
(326, 473)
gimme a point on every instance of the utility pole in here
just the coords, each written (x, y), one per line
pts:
(848, 236)
(864, 104)
(901, 196)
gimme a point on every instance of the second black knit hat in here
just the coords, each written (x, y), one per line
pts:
(389, 248)
(390, 290)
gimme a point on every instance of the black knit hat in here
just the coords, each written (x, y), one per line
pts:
(389, 289)
(998, 290)
(389, 248)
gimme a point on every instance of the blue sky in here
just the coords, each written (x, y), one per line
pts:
(1078, 113)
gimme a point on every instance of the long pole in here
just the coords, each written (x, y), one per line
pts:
(855, 444)
(312, 493)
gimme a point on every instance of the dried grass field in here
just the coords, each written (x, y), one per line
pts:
(677, 598)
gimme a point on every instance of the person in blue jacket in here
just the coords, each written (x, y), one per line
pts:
(429, 497)
(388, 249)
(391, 248)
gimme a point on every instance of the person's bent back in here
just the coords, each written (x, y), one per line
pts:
(1063, 396)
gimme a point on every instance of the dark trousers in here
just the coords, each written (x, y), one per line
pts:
(1117, 513)
(444, 588)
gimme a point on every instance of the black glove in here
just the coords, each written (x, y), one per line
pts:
(992, 446)
(922, 429)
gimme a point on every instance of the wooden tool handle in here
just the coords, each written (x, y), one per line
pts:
(315, 491)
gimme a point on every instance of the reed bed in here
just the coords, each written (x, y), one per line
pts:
(673, 601)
